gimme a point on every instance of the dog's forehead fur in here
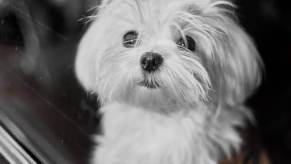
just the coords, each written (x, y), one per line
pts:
(164, 3)
(160, 11)
(166, 18)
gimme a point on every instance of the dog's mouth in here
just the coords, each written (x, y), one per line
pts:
(149, 84)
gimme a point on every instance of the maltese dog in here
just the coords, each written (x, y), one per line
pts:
(171, 76)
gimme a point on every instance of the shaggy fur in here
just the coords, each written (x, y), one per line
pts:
(190, 118)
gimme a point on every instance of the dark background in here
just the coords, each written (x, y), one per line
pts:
(269, 23)
(38, 41)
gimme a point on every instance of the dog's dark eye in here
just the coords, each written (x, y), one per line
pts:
(129, 39)
(190, 43)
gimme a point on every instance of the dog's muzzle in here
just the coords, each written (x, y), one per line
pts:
(149, 84)
(151, 61)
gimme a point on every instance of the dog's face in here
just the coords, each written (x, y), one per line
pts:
(167, 52)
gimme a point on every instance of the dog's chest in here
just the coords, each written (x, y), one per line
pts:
(133, 135)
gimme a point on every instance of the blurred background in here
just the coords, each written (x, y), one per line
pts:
(47, 114)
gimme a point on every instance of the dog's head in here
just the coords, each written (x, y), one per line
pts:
(161, 52)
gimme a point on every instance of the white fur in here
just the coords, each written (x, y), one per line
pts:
(191, 117)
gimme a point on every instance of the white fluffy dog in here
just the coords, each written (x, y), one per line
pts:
(172, 76)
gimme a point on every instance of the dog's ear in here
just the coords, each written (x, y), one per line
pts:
(87, 56)
(92, 46)
(238, 71)
(85, 66)
(240, 64)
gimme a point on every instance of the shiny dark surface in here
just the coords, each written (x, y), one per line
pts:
(41, 103)
(269, 23)
(3, 160)
(53, 132)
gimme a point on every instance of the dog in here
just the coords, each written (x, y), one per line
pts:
(171, 76)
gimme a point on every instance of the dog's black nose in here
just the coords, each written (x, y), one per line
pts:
(151, 61)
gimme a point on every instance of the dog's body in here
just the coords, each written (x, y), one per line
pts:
(172, 76)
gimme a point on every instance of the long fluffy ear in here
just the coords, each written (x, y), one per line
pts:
(85, 64)
(241, 65)
(89, 50)
(92, 45)
(238, 70)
